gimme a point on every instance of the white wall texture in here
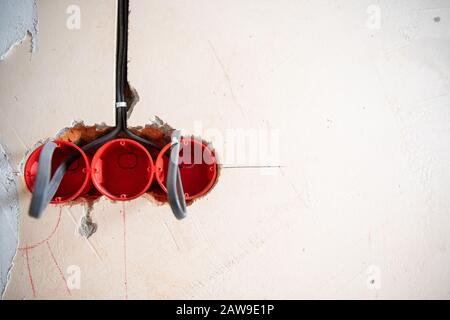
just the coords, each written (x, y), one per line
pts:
(18, 18)
(359, 93)
(9, 218)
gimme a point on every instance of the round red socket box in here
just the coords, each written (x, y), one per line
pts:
(122, 169)
(76, 181)
(198, 168)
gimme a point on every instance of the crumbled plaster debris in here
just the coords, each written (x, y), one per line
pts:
(87, 227)
(132, 98)
(17, 20)
(9, 219)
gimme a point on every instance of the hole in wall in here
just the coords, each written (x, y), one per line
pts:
(157, 131)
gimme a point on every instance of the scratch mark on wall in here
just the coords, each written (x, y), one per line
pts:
(252, 167)
(172, 236)
(14, 131)
(356, 275)
(300, 196)
(88, 242)
(227, 76)
(17, 20)
(59, 268)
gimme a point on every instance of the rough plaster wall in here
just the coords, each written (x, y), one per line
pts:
(17, 19)
(9, 218)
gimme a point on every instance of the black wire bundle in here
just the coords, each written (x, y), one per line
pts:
(46, 185)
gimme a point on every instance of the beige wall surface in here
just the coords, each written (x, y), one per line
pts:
(351, 201)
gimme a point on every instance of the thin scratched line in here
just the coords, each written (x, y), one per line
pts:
(19, 138)
(59, 268)
(172, 236)
(294, 188)
(227, 76)
(252, 167)
(30, 277)
(91, 246)
(435, 8)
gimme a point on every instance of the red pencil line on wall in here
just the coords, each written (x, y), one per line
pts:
(29, 247)
(59, 268)
(125, 251)
(30, 277)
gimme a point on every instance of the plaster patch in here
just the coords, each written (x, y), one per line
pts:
(87, 227)
(17, 20)
(9, 219)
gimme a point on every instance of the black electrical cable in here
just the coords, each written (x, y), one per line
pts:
(121, 54)
(45, 188)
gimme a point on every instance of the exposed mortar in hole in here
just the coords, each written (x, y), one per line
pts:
(87, 227)
(131, 97)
